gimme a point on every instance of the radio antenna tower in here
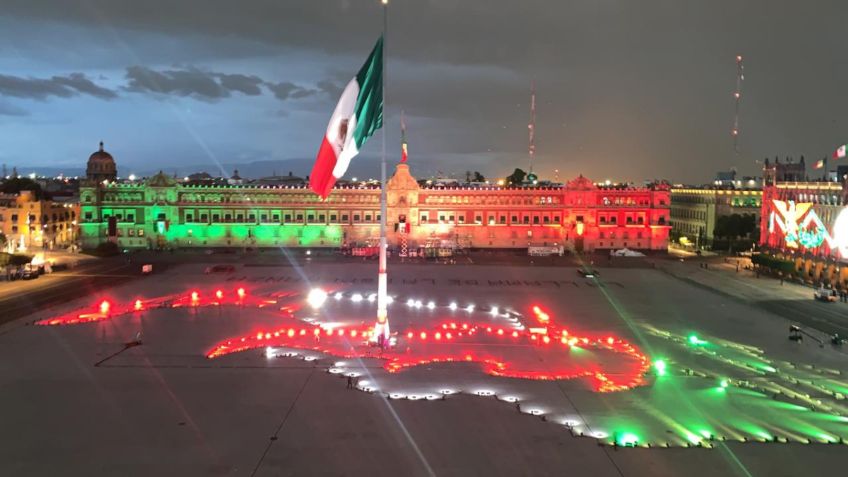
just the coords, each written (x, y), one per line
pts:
(531, 146)
(737, 96)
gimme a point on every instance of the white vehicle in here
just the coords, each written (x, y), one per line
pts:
(825, 294)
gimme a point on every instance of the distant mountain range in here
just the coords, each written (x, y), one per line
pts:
(362, 167)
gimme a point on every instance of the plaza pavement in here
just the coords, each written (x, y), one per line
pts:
(77, 402)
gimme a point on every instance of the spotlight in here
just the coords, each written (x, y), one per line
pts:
(316, 298)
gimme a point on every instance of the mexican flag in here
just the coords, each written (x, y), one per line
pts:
(357, 116)
(839, 153)
(404, 152)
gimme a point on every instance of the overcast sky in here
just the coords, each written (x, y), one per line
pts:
(626, 90)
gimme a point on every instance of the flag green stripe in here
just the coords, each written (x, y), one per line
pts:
(369, 104)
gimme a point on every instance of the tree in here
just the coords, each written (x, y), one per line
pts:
(516, 178)
(479, 177)
(3, 240)
(16, 184)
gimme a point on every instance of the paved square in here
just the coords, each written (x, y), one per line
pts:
(494, 370)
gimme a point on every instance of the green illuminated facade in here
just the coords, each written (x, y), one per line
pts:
(162, 212)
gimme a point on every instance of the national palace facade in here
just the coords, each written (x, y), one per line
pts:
(163, 212)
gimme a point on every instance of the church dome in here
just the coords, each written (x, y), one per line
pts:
(101, 166)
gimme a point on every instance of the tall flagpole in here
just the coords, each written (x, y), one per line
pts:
(382, 326)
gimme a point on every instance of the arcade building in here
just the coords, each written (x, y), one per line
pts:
(805, 223)
(163, 212)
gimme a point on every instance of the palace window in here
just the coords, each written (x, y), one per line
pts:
(188, 217)
(503, 219)
(478, 219)
(526, 219)
(251, 218)
(321, 218)
(535, 219)
(344, 217)
(299, 218)
(264, 217)
(547, 219)
(204, 217)
(333, 217)
(216, 218)
(310, 218)
(368, 217)
(514, 219)
(356, 217)
(276, 217)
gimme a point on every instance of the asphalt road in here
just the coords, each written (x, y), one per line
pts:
(23, 297)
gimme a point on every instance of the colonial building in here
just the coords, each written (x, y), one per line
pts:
(696, 210)
(805, 222)
(30, 223)
(162, 212)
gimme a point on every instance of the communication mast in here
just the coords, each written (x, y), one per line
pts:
(531, 147)
(737, 96)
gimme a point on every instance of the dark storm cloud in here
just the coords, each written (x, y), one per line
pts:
(623, 86)
(68, 86)
(186, 82)
(333, 88)
(244, 84)
(207, 85)
(285, 90)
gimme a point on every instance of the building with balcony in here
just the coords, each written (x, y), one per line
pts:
(806, 223)
(163, 212)
(31, 223)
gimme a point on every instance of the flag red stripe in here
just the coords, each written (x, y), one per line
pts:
(321, 180)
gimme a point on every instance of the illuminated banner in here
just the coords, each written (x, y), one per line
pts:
(802, 226)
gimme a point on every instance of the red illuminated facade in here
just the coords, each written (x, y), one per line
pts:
(580, 215)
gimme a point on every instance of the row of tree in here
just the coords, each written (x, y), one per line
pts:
(735, 226)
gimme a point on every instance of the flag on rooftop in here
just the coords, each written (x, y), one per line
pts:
(839, 153)
(357, 116)
(404, 153)
(819, 164)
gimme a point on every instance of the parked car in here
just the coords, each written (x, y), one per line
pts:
(825, 294)
(220, 269)
(587, 272)
(29, 272)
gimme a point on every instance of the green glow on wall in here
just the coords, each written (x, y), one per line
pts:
(660, 367)
(627, 439)
(695, 341)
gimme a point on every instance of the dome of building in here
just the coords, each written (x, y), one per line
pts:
(101, 166)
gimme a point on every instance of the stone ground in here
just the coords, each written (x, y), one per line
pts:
(77, 402)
